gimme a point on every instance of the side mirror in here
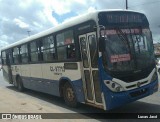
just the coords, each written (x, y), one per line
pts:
(101, 44)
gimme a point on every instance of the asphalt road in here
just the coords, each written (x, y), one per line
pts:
(150, 104)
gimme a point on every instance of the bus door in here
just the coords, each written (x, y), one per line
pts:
(89, 54)
(9, 56)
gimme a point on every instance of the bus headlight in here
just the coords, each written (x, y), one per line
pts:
(115, 87)
(154, 77)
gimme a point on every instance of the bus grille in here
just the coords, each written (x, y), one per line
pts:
(131, 77)
(139, 93)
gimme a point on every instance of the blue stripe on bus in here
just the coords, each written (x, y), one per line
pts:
(42, 85)
(52, 86)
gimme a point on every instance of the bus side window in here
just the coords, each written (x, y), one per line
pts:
(24, 53)
(16, 59)
(4, 58)
(34, 51)
(48, 49)
(65, 45)
(71, 51)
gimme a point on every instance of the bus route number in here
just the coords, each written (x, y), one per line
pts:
(58, 70)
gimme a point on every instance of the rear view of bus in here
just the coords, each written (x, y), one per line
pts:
(127, 64)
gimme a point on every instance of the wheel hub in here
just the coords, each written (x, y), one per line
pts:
(69, 94)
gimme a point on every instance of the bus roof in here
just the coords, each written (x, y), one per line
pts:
(69, 23)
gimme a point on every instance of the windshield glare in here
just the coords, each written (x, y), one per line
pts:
(127, 49)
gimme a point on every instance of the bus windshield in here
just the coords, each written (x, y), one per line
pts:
(127, 49)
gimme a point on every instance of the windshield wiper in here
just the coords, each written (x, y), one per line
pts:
(134, 52)
(124, 38)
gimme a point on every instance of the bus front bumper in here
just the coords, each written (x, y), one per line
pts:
(114, 100)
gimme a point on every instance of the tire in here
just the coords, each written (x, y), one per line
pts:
(20, 86)
(69, 95)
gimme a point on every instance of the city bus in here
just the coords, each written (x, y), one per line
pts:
(104, 58)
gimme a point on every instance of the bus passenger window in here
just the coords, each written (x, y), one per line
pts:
(65, 45)
(16, 55)
(24, 53)
(4, 58)
(34, 51)
(71, 51)
(48, 49)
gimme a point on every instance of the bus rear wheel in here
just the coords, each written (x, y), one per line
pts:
(69, 95)
(20, 84)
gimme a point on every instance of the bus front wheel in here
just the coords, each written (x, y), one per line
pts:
(20, 84)
(69, 95)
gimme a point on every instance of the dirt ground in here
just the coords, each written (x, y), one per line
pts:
(13, 101)
(16, 102)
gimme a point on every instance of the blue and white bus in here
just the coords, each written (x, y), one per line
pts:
(104, 58)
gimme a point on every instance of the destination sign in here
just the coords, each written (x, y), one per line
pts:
(122, 18)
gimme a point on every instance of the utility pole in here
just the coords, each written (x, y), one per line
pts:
(126, 4)
(28, 33)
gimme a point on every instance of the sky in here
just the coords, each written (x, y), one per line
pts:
(17, 17)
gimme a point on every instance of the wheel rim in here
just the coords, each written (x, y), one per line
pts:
(69, 94)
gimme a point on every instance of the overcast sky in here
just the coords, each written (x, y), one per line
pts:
(19, 16)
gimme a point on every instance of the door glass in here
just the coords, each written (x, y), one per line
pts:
(84, 52)
(88, 85)
(93, 51)
(97, 86)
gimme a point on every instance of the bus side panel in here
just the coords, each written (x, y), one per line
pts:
(57, 71)
(25, 71)
(31, 75)
(33, 79)
(36, 70)
(46, 77)
(42, 85)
